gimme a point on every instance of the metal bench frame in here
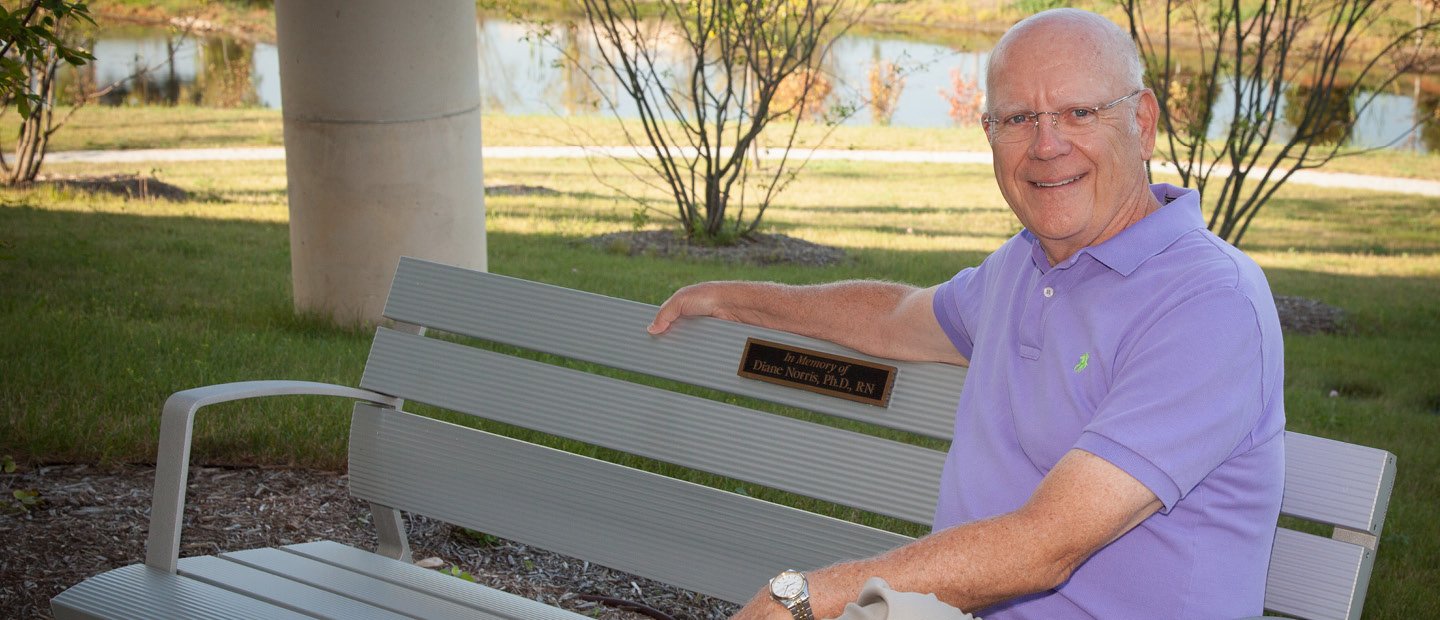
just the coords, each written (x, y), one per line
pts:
(710, 540)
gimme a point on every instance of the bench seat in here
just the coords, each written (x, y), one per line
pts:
(311, 580)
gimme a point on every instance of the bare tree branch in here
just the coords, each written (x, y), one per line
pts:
(1299, 62)
(718, 100)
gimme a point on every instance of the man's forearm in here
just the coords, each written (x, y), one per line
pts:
(1083, 504)
(963, 566)
(966, 567)
(843, 312)
(887, 319)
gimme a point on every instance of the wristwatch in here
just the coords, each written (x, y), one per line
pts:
(790, 589)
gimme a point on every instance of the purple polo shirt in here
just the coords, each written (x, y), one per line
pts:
(1159, 351)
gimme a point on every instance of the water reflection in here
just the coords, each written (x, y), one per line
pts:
(1427, 116)
(222, 79)
(218, 72)
(522, 75)
(1333, 113)
(1187, 94)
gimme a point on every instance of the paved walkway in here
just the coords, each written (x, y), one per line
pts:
(1306, 177)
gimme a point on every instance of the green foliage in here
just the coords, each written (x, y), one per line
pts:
(476, 537)
(31, 32)
(457, 572)
(721, 235)
(20, 500)
(26, 497)
(640, 218)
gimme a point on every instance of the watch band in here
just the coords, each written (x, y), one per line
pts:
(801, 610)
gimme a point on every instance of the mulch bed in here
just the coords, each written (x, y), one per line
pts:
(757, 248)
(132, 186)
(1299, 315)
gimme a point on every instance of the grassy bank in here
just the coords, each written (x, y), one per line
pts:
(108, 305)
(99, 127)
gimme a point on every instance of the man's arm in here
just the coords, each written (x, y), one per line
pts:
(1083, 504)
(885, 319)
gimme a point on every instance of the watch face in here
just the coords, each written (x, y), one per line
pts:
(787, 584)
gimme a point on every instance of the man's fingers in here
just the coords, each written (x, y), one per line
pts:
(666, 315)
(660, 323)
(683, 303)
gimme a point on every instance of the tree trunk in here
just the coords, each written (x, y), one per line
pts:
(34, 139)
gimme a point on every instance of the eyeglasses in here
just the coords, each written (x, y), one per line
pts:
(1020, 126)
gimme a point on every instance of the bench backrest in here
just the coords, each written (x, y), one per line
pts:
(711, 540)
(1345, 488)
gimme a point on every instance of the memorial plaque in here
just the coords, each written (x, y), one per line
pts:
(822, 373)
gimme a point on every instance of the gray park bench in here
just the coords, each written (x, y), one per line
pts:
(723, 542)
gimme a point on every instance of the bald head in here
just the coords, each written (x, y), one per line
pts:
(1072, 33)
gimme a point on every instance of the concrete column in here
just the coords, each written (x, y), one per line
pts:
(381, 101)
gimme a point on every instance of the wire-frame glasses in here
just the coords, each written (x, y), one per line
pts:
(1021, 126)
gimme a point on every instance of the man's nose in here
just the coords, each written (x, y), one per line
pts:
(1048, 142)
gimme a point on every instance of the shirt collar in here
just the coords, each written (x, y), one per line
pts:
(1179, 213)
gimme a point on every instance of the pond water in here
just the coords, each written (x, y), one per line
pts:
(519, 75)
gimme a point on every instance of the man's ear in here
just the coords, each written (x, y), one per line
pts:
(1147, 116)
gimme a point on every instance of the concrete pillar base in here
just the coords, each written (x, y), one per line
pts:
(362, 196)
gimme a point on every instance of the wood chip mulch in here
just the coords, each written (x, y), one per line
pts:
(90, 519)
(1300, 315)
(756, 249)
(130, 186)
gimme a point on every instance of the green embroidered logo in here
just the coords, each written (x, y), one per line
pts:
(1084, 361)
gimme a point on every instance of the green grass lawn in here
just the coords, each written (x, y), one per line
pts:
(108, 305)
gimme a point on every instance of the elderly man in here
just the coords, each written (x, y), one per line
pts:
(1117, 449)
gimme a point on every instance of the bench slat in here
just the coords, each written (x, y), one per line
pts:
(494, 601)
(1337, 483)
(278, 590)
(706, 352)
(695, 537)
(138, 591)
(384, 594)
(848, 468)
(1317, 578)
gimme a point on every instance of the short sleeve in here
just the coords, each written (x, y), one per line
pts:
(954, 303)
(1187, 393)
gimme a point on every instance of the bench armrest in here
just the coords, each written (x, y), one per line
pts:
(172, 463)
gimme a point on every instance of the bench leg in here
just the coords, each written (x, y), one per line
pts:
(390, 527)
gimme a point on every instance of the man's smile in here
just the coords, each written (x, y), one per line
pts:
(1057, 183)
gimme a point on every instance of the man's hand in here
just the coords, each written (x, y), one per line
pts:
(695, 300)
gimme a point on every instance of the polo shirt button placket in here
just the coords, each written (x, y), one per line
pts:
(1030, 325)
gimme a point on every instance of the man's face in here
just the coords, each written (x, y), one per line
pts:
(1071, 191)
